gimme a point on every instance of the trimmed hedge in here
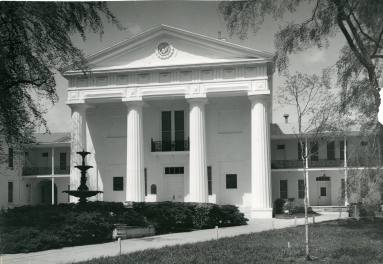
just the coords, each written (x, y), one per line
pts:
(42, 227)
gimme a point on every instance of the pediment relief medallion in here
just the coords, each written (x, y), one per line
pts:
(164, 49)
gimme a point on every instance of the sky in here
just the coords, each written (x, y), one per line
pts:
(201, 17)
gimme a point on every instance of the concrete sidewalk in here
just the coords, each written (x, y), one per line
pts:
(81, 253)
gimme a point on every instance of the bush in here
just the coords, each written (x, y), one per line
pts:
(42, 227)
(278, 206)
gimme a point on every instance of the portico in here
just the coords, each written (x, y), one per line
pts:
(169, 108)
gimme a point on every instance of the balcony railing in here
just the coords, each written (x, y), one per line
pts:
(44, 170)
(163, 146)
(323, 163)
(290, 164)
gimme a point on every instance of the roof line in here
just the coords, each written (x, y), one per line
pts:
(177, 30)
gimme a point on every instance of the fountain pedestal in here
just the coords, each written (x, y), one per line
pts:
(83, 191)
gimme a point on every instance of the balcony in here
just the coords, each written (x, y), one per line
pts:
(295, 164)
(27, 171)
(164, 146)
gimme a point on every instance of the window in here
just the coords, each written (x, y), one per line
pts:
(283, 194)
(300, 150)
(174, 170)
(10, 157)
(331, 150)
(209, 181)
(323, 191)
(341, 150)
(301, 189)
(153, 189)
(62, 161)
(146, 181)
(118, 183)
(231, 181)
(314, 150)
(280, 147)
(166, 127)
(10, 192)
(342, 187)
(363, 143)
(179, 133)
(44, 154)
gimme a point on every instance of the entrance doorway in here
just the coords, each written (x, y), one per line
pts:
(46, 192)
(174, 184)
(324, 190)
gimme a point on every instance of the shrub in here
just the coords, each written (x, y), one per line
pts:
(33, 228)
(278, 206)
(166, 216)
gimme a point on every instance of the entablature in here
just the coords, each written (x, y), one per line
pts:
(189, 82)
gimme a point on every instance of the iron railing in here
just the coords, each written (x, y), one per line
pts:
(324, 163)
(163, 146)
(36, 170)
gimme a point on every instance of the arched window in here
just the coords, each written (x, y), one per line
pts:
(153, 189)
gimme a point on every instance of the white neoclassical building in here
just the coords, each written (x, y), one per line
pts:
(174, 115)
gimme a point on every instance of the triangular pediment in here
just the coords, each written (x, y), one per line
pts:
(165, 46)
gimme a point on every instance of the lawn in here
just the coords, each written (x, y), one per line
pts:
(342, 241)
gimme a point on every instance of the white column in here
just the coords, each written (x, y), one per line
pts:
(91, 160)
(135, 189)
(78, 143)
(197, 155)
(260, 157)
(53, 173)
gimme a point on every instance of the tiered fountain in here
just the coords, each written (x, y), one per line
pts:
(82, 191)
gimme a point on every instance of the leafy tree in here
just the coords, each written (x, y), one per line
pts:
(315, 108)
(35, 45)
(360, 22)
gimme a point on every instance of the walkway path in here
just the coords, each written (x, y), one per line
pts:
(81, 253)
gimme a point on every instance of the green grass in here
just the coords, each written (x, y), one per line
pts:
(343, 241)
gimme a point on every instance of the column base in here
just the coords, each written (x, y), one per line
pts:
(261, 213)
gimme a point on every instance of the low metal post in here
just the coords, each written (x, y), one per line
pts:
(295, 221)
(119, 244)
(313, 219)
(216, 232)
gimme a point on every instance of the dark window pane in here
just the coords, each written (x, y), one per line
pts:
(301, 150)
(341, 150)
(166, 127)
(45, 154)
(283, 189)
(331, 150)
(10, 157)
(209, 181)
(323, 191)
(10, 192)
(314, 150)
(301, 189)
(118, 183)
(174, 170)
(153, 189)
(62, 161)
(179, 127)
(280, 147)
(231, 181)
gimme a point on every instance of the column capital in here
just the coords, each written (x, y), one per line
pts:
(80, 107)
(197, 100)
(259, 97)
(133, 103)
